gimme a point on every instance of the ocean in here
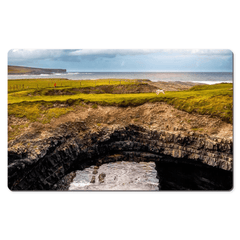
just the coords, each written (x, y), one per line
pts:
(201, 77)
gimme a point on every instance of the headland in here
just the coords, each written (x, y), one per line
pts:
(19, 70)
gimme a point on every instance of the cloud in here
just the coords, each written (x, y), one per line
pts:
(126, 59)
(191, 52)
(33, 53)
(54, 53)
(87, 52)
(91, 54)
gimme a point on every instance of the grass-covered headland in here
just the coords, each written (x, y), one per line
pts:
(39, 100)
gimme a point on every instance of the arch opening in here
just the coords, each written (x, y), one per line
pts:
(157, 172)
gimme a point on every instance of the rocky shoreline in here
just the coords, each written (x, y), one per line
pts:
(37, 161)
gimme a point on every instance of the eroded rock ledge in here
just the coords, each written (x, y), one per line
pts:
(38, 161)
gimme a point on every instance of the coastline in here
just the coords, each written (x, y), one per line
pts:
(80, 137)
(42, 156)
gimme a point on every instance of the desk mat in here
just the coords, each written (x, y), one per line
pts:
(120, 120)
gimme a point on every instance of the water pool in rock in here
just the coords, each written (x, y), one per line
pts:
(117, 176)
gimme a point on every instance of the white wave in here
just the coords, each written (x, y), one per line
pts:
(77, 185)
(212, 82)
(20, 75)
(44, 74)
(197, 81)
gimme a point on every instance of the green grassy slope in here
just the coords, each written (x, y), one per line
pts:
(215, 100)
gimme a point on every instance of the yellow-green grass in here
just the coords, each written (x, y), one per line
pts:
(34, 113)
(27, 84)
(37, 111)
(215, 100)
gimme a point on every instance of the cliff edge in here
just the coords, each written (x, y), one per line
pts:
(19, 70)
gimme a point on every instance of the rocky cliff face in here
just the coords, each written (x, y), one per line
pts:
(17, 70)
(38, 161)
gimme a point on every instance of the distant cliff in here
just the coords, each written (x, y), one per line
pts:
(29, 70)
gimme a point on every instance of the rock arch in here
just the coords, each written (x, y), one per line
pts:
(72, 146)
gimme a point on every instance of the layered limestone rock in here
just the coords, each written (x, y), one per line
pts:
(38, 161)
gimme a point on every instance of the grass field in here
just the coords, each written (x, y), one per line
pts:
(214, 100)
(28, 84)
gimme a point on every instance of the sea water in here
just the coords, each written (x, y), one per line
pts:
(117, 176)
(201, 77)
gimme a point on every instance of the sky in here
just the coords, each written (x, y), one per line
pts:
(124, 60)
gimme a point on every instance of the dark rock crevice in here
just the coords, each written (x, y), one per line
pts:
(182, 175)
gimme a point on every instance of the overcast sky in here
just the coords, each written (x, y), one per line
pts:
(124, 60)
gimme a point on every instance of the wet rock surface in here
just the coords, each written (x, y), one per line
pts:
(101, 177)
(118, 176)
(39, 161)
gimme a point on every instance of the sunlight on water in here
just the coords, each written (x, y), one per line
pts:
(117, 176)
